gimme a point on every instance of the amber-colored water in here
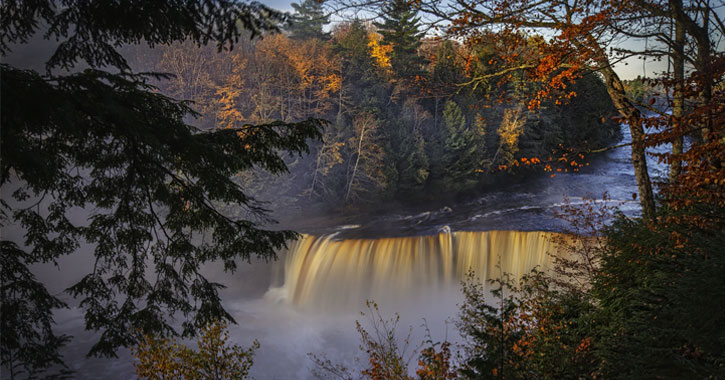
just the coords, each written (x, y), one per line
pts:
(324, 273)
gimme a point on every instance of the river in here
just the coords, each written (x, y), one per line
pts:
(408, 259)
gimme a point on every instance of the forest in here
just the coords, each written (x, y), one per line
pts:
(154, 141)
(402, 124)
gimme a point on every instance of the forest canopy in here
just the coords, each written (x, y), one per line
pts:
(403, 124)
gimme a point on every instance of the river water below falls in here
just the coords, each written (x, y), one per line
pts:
(409, 260)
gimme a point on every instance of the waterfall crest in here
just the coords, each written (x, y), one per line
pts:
(323, 273)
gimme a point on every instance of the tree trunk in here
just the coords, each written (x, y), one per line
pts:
(632, 115)
(435, 116)
(701, 36)
(702, 64)
(679, 96)
(317, 170)
(339, 104)
(357, 161)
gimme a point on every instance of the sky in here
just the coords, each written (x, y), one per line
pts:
(628, 69)
(34, 54)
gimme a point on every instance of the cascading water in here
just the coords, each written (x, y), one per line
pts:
(417, 277)
(322, 273)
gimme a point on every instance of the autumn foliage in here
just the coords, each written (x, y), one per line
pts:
(159, 358)
(390, 94)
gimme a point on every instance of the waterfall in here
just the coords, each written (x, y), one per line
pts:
(323, 273)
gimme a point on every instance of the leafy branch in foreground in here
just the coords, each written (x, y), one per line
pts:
(151, 188)
(29, 345)
(108, 142)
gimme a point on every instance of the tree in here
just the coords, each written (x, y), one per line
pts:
(530, 330)
(160, 358)
(198, 71)
(435, 363)
(231, 95)
(362, 85)
(366, 173)
(380, 51)
(327, 158)
(408, 143)
(584, 122)
(696, 21)
(454, 152)
(187, 63)
(658, 293)
(489, 331)
(509, 132)
(308, 20)
(447, 68)
(678, 104)
(580, 37)
(461, 144)
(110, 143)
(446, 74)
(289, 80)
(318, 76)
(29, 345)
(399, 28)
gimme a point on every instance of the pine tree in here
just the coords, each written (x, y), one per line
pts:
(447, 72)
(308, 21)
(400, 29)
(660, 293)
(361, 85)
(414, 170)
(459, 149)
(490, 330)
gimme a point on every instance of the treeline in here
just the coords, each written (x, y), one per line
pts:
(401, 124)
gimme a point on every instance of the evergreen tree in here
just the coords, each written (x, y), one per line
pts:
(447, 72)
(412, 161)
(111, 143)
(661, 293)
(308, 20)
(490, 330)
(416, 166)
(362, 85)
(407, 145)
(400, 29)
(445, 76)
(586, 120)
(459, 149)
